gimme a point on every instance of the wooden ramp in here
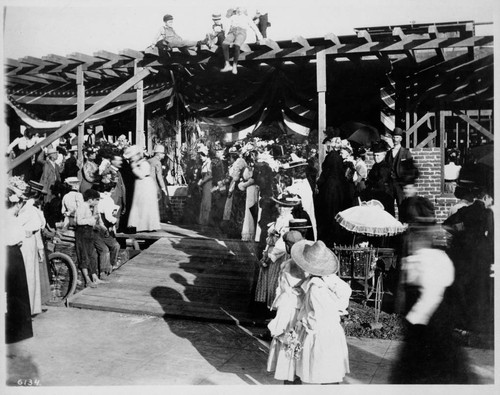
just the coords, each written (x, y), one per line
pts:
(191, 277)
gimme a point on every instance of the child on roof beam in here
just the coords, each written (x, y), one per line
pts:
(239, 23)
(167, 38)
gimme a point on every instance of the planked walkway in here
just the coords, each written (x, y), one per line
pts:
(184, 274)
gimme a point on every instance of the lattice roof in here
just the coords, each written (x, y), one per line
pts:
(437, 65)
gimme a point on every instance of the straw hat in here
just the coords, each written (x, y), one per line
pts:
(131, 151)
(287, 200)
(72, 180)
(36, 186)
(51, 150)
(315, 258)
(159, 149)
(299, 223)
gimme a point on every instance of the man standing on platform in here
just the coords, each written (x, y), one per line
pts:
(51, 173)
(157, 171)
(396, 159)
(118, 194)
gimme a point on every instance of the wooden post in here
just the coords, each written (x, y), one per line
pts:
(139, 111)
(321, 88)
(80, 118)
(80, 107)
(442, 145)
(408, 125)
(149, 137)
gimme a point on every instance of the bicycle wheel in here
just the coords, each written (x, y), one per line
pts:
(62, 276)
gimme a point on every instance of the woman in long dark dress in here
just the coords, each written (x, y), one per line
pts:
(332, 197)
(379, 181)
(264, 178)
(18, 316)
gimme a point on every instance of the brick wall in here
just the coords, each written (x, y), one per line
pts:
(428, 161)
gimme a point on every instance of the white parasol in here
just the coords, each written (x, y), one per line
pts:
(370, 219)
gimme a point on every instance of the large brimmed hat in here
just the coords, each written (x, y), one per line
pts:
(380, 146)
(315, 258)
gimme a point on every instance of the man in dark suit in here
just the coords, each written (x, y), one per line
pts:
(51, 173)
(118, 194)
(396, 158)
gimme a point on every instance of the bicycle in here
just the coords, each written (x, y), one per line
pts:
(63, 275)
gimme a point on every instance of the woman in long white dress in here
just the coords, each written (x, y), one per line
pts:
(252, 196)
(144, 212)
(324, 355)
(33, 222)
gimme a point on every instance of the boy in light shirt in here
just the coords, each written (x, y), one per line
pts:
(71, 201)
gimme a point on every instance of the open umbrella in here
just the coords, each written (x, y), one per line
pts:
(370, 219)
(483, 154)
(360, 133)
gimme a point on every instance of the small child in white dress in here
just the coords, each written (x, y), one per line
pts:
(322, 342)
(286, 304)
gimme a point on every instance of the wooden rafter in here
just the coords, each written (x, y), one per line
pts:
(80, 118)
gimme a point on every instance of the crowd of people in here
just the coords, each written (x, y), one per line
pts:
(260, 191)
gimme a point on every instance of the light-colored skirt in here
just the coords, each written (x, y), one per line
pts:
(145, 212)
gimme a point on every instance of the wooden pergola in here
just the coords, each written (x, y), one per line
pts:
(437, 69)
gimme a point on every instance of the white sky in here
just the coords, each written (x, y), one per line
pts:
(62, 27)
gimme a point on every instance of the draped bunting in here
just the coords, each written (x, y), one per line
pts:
(239, 103)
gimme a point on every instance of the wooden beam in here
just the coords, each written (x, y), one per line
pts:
(31, 79)
(475, 125)
(321, 85)
(139, 109)
(301, 41)
(430, 137)
(364, 34)
(132, 54)
(80, 118)
(80, 108)
(414, 127)
(433, 33)
(442, 143)
(60, 63)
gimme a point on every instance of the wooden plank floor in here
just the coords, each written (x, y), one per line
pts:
(191, 276)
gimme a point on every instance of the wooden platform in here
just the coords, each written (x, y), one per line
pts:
(191, 276)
